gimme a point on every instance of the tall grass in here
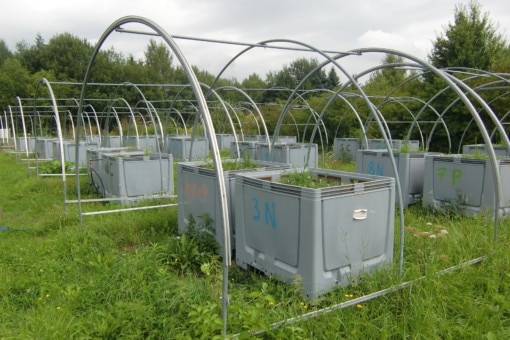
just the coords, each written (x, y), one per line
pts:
(131, 275)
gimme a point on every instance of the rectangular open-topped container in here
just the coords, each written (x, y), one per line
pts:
(465, 184)
(224, 140)
(95, 168)
(396, 144)
(150, 143)
(44, 147)
(69, 148)
(130, 176)
(21, 144)
(346, 148)
(327, 236)
(111, 141)
(409, 168)
(472, 149)
(247, 150)
(295, 155)
(181, 146)
(198, 195)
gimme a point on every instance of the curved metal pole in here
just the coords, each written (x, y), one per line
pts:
(85, 127)
(150, 109)
(233, 110)
(399, 102)
(236, 139)
(313, 115)
(23, 125)
(182, 121)
(453, 102)
(175, 123)
(256, 124)
(502, 120)
(72, 124)
(209, 129)
(252, 103)
(13, 127)
(225, 109)
(333, 97)
(59, 134)
(97, 122)
(117, 115)
(472, 120)
(440, 118)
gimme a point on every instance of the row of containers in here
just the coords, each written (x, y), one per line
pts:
(441, 181)
(281, 229)
(330, 235)
(327, 235)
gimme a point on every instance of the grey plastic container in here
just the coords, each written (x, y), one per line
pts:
(95, 168)
(346, 148)
(197, 192)
(409, 167)
(111, 141)
(247, 150)
(254, 138)
(471, 149)
(131, 176)
(180, 146)
(396, 144)
(465, 184)
(5, 133)
(294, 154)
(44, 148)
(21, 144)
(93, 139)
(326, 236)
(285, 139)
(224, 140)
(146, 142)
(70, 151)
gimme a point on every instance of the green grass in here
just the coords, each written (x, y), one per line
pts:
(132, 276)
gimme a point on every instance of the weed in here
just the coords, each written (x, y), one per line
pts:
(309, 180)
(55, 167)
(194, 250)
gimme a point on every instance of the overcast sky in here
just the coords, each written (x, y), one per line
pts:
(405, 25)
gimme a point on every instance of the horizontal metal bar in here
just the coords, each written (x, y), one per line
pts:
(128, 209)
(109, 199)
(218, 41)
(365, 298)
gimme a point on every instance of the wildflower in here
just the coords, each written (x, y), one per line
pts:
(58, 308)
(444, 231)
(270, 303)
(349, 295)
(432, 236)
(47, 296)
(359, 306)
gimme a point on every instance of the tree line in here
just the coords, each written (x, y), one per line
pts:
(470, 42)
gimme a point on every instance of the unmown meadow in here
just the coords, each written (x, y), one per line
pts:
(132, 276)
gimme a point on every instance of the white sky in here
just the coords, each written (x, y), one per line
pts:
(409, 26)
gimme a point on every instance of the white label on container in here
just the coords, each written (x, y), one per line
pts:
(360, 214)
